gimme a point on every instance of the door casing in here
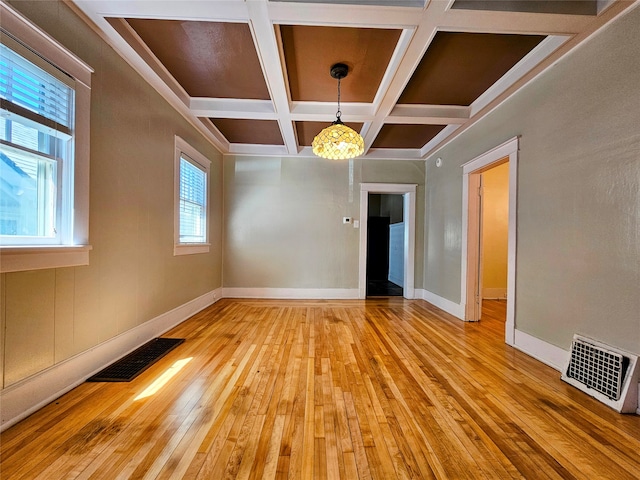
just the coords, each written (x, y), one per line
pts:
(507, 152)
(408, 191)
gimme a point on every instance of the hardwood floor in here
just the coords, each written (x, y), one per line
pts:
(384, 388)
(494, 310)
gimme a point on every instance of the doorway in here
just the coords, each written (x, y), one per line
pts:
(407, 192)
(472, 260)
(493, 239)
(385, 245)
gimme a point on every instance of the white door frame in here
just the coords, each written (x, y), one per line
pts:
(484, 162)
(408, 191)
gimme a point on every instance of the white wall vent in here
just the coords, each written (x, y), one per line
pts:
(604, 372)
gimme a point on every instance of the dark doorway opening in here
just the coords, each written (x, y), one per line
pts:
(385, 245)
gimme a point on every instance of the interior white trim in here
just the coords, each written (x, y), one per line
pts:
(582, 30)
(54, 52)
(290, 293)
(519, 70)
(408, 190)
(25, 397)
(418, 26)
(183, 148)
(507, 149)
(19, 259)
(453, 308)
(543, 351)
(76, 246)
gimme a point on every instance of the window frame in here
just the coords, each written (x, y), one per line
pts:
(62, 157)
(75, 249)
(183, 148)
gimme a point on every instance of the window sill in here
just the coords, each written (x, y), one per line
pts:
(190, 248)
(19, 259)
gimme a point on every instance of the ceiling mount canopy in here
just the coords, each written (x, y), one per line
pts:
(339, 71)
(337, 141)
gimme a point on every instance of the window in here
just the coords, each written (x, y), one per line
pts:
(191, 193)
(35, 152)
(44, 149)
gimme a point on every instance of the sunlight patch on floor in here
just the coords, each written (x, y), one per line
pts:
(163, 379)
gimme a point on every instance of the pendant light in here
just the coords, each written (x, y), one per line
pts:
(337, 141)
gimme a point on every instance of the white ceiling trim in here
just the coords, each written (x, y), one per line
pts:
(141, 48)
(232, 108)
(255, 149)
(597, 24)
(428, 114)
(269, 54)
(366, 16)
(398, 54)
(422, 37)
(514, 22)
(207, 10)
(393, 154)
(445, 133)
(113, 38)
(321, 111)
(419, 27)
(519, 70)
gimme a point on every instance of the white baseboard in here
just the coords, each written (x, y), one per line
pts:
(494, 293)
(25, 397)
(448, 306)
(291, 293)
(545, 352)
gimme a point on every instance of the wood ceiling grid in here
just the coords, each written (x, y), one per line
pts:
(283, 104)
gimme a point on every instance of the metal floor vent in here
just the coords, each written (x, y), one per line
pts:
(136, 362)
(598, 368)
(604, 373)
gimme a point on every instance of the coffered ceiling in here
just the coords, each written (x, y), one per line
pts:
(253, 75)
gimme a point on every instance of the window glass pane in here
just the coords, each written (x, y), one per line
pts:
(31, 135)
(192, 203)
(28, 194)
(23, 135)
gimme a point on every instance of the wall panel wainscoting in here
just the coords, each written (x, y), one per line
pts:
(384, 388)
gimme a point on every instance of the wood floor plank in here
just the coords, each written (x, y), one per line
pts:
(312, 389)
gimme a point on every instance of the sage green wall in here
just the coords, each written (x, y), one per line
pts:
(283, 219)
(51, 315)
(578, 248)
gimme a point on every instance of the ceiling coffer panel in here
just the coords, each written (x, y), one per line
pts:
(241, 130)
(458, 67)
(394, 135)
(208, 59)
(310, 51)
(308, 130)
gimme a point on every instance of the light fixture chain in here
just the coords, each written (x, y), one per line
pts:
(338, 141)
(338, 113)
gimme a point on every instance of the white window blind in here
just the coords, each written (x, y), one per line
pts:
(26, 85)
